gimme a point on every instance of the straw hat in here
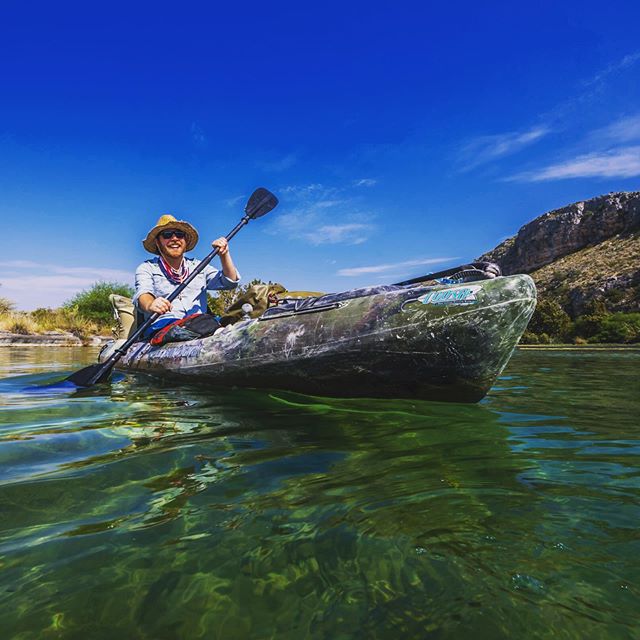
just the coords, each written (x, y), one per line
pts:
(168, 221)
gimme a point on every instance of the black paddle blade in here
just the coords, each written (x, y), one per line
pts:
(93, 374)
(261, 201)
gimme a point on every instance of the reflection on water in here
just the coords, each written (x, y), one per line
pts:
(158, 511)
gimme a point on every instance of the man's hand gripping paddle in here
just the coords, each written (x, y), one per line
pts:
(259, 204)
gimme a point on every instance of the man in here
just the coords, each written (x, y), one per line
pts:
(157, 278)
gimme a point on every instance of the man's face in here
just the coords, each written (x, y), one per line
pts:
(170, 244)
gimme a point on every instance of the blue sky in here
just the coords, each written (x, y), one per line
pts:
(401, 138)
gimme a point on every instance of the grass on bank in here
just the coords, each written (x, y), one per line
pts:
(87, 314)
(51, 320)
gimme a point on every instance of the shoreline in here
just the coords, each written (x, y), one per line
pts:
(50, 339)
(58, 339)
(600, 346)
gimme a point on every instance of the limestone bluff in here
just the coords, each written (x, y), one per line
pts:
(584, 252)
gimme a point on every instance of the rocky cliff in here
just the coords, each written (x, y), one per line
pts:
(585, 251)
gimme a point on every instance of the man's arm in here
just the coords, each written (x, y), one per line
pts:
(148, 303)
(144, 299)
(228, 268)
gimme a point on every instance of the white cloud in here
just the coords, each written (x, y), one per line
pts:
(20, 264)
(384, 268)
(322, 215)
(623, 130)
(365, 182)
(307, 190)
(485, 149)
(307, 225)
(328, 204)
(566, 115)
(353, 233)
(31, 284)
(624, 63)
(623, 162)
(53, 269)
(232, 202)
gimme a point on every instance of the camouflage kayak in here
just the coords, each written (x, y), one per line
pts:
(440, 342)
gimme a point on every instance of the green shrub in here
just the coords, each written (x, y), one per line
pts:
(93, 303)
(620, 327)
(609, 328)
(614, 295)
(595, 307)
(588, 326)
(6, 306)
(224, 298)
(42, 315)
(529, 338)
(550, 319)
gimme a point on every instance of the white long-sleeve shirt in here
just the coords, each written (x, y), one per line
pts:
(151, 279)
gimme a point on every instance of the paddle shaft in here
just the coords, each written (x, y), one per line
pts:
(430, 276)
(120, 351)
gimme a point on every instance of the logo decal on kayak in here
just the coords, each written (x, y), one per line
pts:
(178, 350)
(457, 295)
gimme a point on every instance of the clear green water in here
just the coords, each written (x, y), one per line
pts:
(148, 511)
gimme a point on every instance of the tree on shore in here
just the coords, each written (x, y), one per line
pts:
(550, 324)
(224, 298)
(93, 303)
(550, 318)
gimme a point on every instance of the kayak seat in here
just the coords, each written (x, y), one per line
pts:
(125, 315)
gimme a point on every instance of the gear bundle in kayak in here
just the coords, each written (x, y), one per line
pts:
(435, 342)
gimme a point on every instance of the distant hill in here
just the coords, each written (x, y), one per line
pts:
(585, 252)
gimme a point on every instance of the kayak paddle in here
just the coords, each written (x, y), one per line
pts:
(260, 203)
(488, 267)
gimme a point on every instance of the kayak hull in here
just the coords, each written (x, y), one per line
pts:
(444, 342)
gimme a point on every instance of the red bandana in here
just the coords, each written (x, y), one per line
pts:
(174, 275)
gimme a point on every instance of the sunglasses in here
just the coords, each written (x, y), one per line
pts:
(169, 233)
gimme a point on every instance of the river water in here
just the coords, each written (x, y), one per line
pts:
(146, 510)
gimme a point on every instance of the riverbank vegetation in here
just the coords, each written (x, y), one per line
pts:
(551, 324)
(89, 313)
(86, 314)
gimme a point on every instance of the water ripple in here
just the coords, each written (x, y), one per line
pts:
(157, 510)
